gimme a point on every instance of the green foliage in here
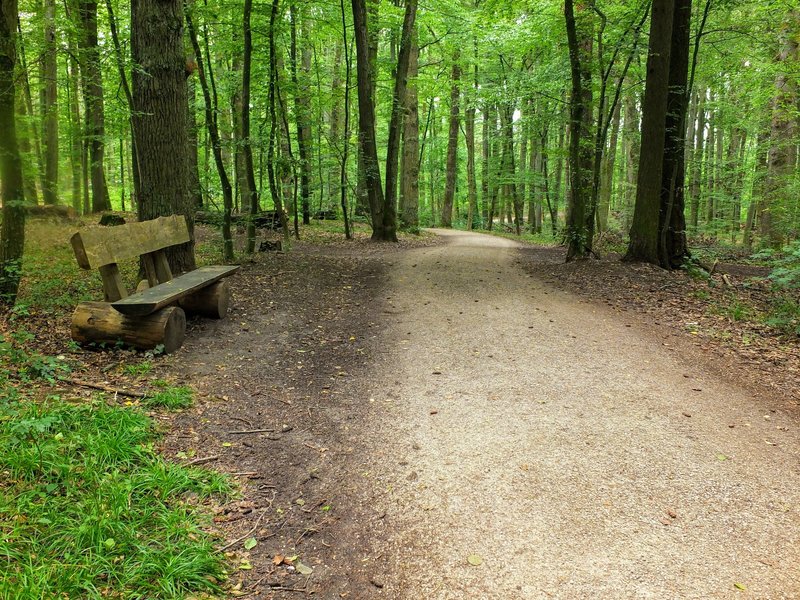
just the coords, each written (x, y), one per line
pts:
(138, 369)
(89, 510)
(785, 315)
(20, 366)
(173, 398)
(785, 266)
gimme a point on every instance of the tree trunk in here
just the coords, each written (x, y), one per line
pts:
(452, 147)
(302, 114)
(396, 122)
(334, 142)
(644, 235)
(696, 165)
(366, 124)
(12, 231)
(94, 111)
(472, 187)
(509, 168)
(213, 132)
(780, 158)
(50, 105)
(607, 172)
(580, 32)
(159, 119)
(409, 160)
(673, 248)
(247, 143)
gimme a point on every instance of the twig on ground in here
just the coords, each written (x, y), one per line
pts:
(202, 461)
(246, 535)
(246, 431)
(106, 388)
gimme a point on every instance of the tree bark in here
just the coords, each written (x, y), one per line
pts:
(644, 235)
(452, 146)
(247, 144)
(159, 118)
(409, 159)
(396, 122)
(12, 230)
(302, 114)
(581, 152)
(94, 111)
(673, 247)
(213, 132)
(366, 124)
(50, 105)
(780, 157)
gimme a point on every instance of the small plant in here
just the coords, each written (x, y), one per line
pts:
(138, 370)
(173, 398)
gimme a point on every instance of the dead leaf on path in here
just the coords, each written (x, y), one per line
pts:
(475, 560)
(434, 412)
(278, 559)
(672, 514)
(303, 569)
(250, 543)
(722, 457)
(740, 586)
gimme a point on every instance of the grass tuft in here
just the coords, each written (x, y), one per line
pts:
(173, 398)
(89, 510)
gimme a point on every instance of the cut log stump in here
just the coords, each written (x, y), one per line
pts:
(211, 302)
(99, 322)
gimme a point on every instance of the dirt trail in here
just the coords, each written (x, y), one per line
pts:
(572, 455)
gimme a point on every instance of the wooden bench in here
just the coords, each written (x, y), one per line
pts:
(154, 316)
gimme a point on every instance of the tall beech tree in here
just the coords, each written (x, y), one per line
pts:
(452, 144)
(94, 105)
(366, 126)
(12, 231)
(50, 105)
(159, 120)
(396, 122)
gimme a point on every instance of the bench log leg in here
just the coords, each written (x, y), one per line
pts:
(99, 322)
(211, 302)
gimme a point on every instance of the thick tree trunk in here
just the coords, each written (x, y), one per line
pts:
(696, 166)
(94, 111)
(486, 167)
(644, 235)
(159, 119)
(452, 146)
(12, 230)
(409, 159)
(673, 247)
(580, 32)
(513, 200)
(472, 188)
(781, 155)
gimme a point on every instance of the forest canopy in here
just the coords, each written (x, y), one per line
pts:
(650, 123)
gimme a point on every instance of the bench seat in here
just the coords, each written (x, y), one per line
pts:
(164, 294)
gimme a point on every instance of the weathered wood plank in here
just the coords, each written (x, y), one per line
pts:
(98, 323)
(96, 247)
(164, 294)
(113, 286)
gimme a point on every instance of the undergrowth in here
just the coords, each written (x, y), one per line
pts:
(88, 509)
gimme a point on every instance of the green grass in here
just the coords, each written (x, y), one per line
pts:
(89, 510)
(173, 398)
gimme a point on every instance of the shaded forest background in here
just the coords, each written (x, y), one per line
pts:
(482, 129)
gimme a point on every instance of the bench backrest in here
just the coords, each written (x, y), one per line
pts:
(97, 247)
(103, 247)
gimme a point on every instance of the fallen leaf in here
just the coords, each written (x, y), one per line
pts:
(475, 560)
(722, 457)
(245, 565)
(740, 586)
(278, 559)
(303, 569)
(250, 543)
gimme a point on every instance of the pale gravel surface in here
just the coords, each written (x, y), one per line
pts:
(556, 444)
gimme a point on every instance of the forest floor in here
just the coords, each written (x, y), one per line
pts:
(465, 417)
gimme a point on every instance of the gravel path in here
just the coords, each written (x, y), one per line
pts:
(564, 452)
